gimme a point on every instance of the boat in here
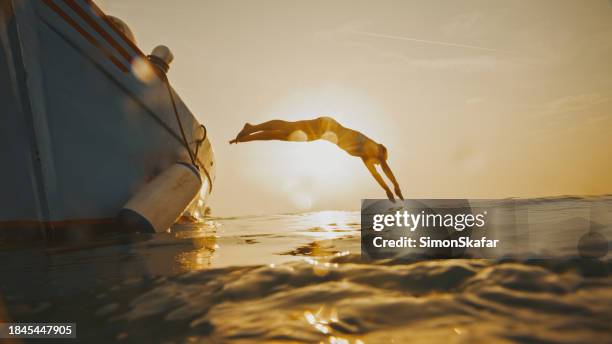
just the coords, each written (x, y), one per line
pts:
(92, 135)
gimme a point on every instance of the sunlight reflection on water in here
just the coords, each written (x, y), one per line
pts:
(276, 238)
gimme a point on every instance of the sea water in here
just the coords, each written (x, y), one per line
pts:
(299, 278)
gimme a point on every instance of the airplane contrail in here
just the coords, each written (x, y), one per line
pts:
(448, 44)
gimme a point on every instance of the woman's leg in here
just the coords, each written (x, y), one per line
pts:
(276, 125)
(282, 128)
(262, 136)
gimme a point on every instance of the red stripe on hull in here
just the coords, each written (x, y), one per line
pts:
(85, 34)
(102, 15)
(85, 16)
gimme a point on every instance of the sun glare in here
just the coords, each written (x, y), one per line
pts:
(310, 170)
(143, 70)
(298, 136)
(330, 136)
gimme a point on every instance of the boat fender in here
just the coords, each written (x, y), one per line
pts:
(159, 203)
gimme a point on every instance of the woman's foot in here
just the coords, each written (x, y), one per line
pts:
(245, 130)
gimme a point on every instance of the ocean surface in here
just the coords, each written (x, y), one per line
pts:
(299, 278)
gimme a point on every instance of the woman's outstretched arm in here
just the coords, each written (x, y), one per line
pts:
(389, 173)
(370, 165)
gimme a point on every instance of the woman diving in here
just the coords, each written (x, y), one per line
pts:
(326, 128)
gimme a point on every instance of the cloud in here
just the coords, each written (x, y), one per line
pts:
(600, 118)
(372, 47)
(474, 100)
(463, 24)
(468, 63)
(427, 41)
(574, 103)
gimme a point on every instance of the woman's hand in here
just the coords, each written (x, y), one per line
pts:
(390, 195)
(398, 192)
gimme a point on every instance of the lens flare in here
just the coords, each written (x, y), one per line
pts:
(330, 136)
(142, 69)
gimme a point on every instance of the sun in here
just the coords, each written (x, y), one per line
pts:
(311, 170)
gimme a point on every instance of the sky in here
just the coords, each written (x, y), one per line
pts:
(473, 99)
